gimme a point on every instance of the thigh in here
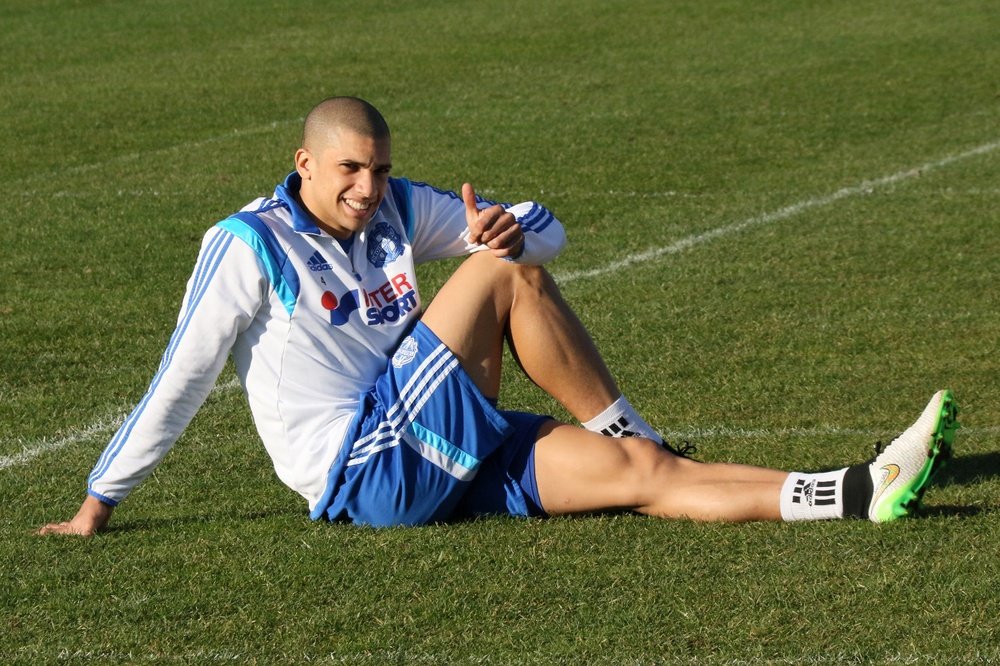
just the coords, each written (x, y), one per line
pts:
(579, 471)
(469, 314)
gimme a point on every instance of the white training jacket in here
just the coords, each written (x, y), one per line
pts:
(310, 326)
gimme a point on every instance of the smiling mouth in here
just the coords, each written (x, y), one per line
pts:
(360, 206)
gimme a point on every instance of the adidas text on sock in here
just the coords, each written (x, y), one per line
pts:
(813, 496)
(621, 420)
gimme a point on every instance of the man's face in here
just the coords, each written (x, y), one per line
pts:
(344, 180)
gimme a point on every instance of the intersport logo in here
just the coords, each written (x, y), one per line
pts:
(385, 304)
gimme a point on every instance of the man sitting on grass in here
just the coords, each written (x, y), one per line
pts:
(381, 413)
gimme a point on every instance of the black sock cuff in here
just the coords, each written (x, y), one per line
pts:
(858, 491)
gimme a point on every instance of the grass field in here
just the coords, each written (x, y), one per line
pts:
(783, 234)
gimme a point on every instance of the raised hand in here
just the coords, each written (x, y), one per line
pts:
(493, 227)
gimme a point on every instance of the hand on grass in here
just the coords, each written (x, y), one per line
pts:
(92, 517)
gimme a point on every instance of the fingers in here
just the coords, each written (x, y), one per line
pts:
(92, 517)
(471, 210)
(493, 227)
(60, 528)
(479, 220)
(473, 216)
(509, 243)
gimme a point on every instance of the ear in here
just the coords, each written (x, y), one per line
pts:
(303, 163)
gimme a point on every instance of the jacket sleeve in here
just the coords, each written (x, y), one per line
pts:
(439, 228)
(223, 294)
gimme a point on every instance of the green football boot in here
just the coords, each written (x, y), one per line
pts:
(903, 470)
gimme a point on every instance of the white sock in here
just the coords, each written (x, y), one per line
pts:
(813, 496)
(621, 420)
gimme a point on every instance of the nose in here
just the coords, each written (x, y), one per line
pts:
(365, 183)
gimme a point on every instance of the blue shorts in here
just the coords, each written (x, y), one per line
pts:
(426, 446)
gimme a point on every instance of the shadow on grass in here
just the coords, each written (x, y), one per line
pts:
(966, 471)
(952, 510)
(969, 469)
(159, 523)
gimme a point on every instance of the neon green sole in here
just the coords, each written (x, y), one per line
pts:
(904, 501)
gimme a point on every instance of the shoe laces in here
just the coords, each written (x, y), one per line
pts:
(685, 450)
(879, 447)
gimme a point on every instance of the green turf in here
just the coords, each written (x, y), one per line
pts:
(794, 339)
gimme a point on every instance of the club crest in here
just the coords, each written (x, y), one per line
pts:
(384, 246)
(406, 352)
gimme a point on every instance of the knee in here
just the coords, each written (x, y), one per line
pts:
(516, 280)
(647, 466)
(653, 472)
(488, 265)
(536, 276)
(531, 281)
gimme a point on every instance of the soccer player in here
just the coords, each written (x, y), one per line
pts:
(380, 412)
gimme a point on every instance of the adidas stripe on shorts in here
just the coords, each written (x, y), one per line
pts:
(426, 446)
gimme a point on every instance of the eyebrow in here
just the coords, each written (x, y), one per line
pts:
(349, 162)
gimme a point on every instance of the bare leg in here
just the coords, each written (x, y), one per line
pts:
(579, 471)
(486, 297)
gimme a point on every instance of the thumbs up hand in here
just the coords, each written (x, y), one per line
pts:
(493, 227)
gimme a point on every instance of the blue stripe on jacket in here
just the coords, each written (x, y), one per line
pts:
(203, 273)
(251, 230)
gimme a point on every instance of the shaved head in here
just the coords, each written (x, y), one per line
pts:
(344, 164)
(332, 115)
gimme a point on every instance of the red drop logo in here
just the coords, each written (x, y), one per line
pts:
(329, 301)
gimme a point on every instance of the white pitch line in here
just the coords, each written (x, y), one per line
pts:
(864, 187)
(145, 154)
(731, 432)
(102, 428)
(31, 452)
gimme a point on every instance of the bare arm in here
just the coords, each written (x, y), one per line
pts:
(92, 517)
